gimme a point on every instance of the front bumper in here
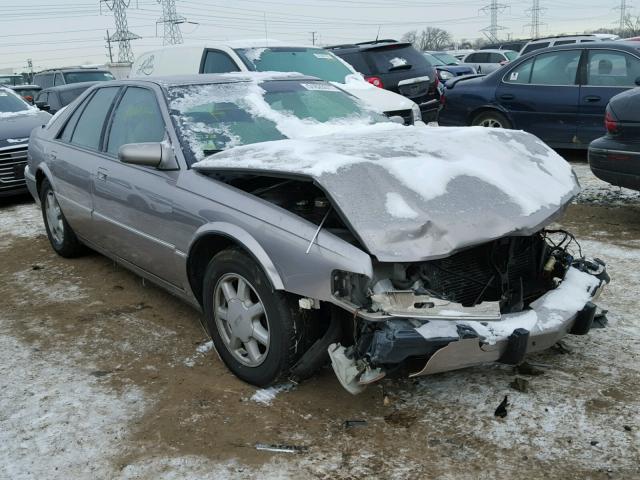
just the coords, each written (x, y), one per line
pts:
(460, 342)
(31, 184)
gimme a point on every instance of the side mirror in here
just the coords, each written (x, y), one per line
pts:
(157, 155)
(638, 81)
(43, 106)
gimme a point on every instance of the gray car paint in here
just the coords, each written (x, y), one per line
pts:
(149, 219)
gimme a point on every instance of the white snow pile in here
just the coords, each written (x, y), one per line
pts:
(250, 97)
(18, 140)
(425, 160)
(254, 54)
(56, 420)
(398, 207)
(267, 395)
(398, 62)
(201, 350)
(547, 313)
(21, 113)
(20, 221)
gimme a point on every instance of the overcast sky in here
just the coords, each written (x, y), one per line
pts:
(70, 32)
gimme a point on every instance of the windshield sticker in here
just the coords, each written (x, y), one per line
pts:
(398, 62)
(514, 76)
(325, 87)
(324, 56)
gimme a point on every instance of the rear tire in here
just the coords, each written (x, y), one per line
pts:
(61, 236)
(491, 119)
(257, 331)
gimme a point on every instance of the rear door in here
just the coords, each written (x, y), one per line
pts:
(606, 72)
(75, 154)
(541, 95)
(131, 206)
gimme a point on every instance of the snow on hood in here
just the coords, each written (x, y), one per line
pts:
(417, 193)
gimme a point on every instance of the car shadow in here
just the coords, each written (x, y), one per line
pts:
(13, 200)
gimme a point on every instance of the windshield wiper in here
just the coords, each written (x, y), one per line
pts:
(210, 152)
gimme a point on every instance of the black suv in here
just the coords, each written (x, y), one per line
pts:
(65, 76)
(398, 67)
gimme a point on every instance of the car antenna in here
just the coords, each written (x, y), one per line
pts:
(378, 34)
(315, 235)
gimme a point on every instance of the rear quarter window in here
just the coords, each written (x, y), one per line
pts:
(356, 60)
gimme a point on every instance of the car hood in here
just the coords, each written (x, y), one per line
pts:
(420, 193)
(15, 128)
(379, 99)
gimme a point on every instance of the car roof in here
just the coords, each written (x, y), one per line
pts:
(26, 87)
(210, 78)
(71, 86)
(73, 70)
(364, 46)
(631, 47)
(493, 50)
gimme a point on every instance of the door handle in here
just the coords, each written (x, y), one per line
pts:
(102, 174)
(592, 98)
(507, 96)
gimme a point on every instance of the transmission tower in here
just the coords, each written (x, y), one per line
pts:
(122, 35)
(535, 11)
(624, 15)
(171, 22)
(491, 32)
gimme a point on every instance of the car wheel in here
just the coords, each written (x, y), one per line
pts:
(255, 329)
(491, 120)
(61, 235)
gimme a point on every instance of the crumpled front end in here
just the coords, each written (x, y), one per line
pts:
(494, 302)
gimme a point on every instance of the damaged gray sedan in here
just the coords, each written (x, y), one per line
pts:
(307, 227)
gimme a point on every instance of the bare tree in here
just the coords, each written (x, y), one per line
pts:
(632, 27)
(431, 38)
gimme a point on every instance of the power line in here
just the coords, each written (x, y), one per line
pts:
(624, 15)
(171, 23)
(122, 36)
(535, 11)
(491, 32)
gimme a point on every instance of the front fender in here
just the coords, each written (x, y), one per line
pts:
(247, 241)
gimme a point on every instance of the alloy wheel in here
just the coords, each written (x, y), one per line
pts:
(241, 319)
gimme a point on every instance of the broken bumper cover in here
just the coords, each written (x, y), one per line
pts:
(460, 342)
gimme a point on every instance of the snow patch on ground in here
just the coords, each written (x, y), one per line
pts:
(201, 350)
(20, 221)
(267, 395)
(57, 421)
(597, 192)
(40, 285)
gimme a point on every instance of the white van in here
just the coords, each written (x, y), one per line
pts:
(273, 56)
(546, 42)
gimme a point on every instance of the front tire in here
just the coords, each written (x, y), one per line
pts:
(61, 236)
(256, 330)
(491, 119)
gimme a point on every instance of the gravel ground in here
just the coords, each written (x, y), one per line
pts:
(102, 376)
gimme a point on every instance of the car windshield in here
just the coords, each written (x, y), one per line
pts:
(214, 117)
(12, 103)
(511, 55)
(314, 62)
(433, 60)
(88, 76)
(11, 80)
(446, 58)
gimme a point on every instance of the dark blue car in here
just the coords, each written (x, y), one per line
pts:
(559, 93)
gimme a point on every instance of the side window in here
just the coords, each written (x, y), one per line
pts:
(586, 41)
(57, 80)
(137, 119)
(609, 68)
(535, 46)
(42, 97)
(556, 68)
(67, 131)
(476, 58)
(357, 61)
(218, 62)
(521, 74)
(496, 58)
(89, 128)
(563, 42)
